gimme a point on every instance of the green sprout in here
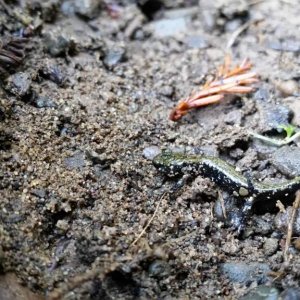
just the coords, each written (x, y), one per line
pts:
(291, 135)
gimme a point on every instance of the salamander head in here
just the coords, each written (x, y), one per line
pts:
(171, 164)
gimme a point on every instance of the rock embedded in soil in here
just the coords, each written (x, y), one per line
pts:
(88, 9)
(53, 73)
(159, 268)
(286, 160)
(57, 45)
(282, 220)
(77, 161)
(196, 41)
(270, 246)
(113, 57)
(168, 27)
(271, 116)
(262, 292)
(150, 152)
(246, 273)
(44, 102)
(19, 84)
(262, 226)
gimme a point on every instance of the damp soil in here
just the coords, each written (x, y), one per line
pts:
(82, 118)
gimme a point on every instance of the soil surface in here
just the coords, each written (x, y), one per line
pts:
(84, 213)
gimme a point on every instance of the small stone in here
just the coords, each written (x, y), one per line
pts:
(75, 161)
(166, 90)
(271, 116)
(262, 94)
(234, 117)
(196, 41)
(150, 152)
(262, 293)
(68, 8)
(19, 84)
(113, 57)
(159, 268)
(270, 246)
(246, 273)
(233, 25)
(43, 102)
(98, 158)
(49, 10)
(290, 294)
(53, 73)
(282, 220)
(88, 9)
(296, 244)
(288, 88)
(62, 224)
(168, 27)
(286, 160)
(284, 46)
(58, 44)
(261, 226)
(41, 193)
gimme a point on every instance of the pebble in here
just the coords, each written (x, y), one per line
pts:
(261, 226)
(49, 10)
(62, 224)
(159, 268)
(41, 193)
(234, 117)
(88, 9)
(262, 94)
(168, 27)
(282, 219)
(19, 84)
(43, 102)
(68, 8)
(166, 90)
(246, 273)
(196, 41)
(77, 161)
(53, 73)
(262, 292)
(285, 46)
(270, 246)
(286, 160)
(150, 152)
(57, 44)
(288, 88)
(113, 57)
(271, 116)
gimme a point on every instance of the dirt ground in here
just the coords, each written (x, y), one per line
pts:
(81, 119)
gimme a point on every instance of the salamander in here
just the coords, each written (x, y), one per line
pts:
(225, 176)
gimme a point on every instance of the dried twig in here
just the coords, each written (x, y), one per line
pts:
(290, 227)
(221, 198)
(240, 30)
(227, 81)
(150, 220)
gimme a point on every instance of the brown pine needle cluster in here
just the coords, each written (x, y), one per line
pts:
(234, 81)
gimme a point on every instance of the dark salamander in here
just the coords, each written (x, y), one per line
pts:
(225, 176)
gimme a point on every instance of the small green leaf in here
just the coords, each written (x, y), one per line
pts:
(289, 130)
